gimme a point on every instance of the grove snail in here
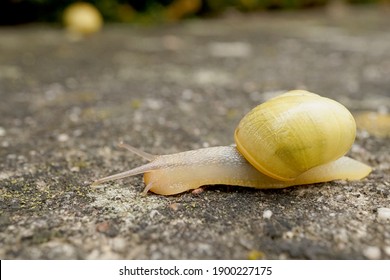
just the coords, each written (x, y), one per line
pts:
(293, 139)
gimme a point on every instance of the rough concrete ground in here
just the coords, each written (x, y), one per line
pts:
(65, 104)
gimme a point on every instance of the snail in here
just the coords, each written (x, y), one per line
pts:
(296, 138)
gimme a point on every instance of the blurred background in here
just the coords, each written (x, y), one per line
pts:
(154, 11)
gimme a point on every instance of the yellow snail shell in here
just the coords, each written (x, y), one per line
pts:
(294, 139)
(295, 132)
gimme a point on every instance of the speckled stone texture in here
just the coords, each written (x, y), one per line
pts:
(65, 104)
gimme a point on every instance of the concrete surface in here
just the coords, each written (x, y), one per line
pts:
(65, 104)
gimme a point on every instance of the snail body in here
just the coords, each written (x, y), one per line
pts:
(231, 165)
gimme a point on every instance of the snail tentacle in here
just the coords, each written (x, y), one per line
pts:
(138, 152)
(138, 170)
(135, 171)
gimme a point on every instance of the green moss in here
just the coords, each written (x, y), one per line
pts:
(25, 194)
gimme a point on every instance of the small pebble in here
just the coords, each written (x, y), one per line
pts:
(197, 191)
(75, 169)
(102, 227)
(288, 235)
(372, 253)
(267, 214)
(2, 131)
(383, 214)
(63, 137)
(119, 245)
(174, 206)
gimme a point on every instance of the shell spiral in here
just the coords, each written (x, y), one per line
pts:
(294, 132)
